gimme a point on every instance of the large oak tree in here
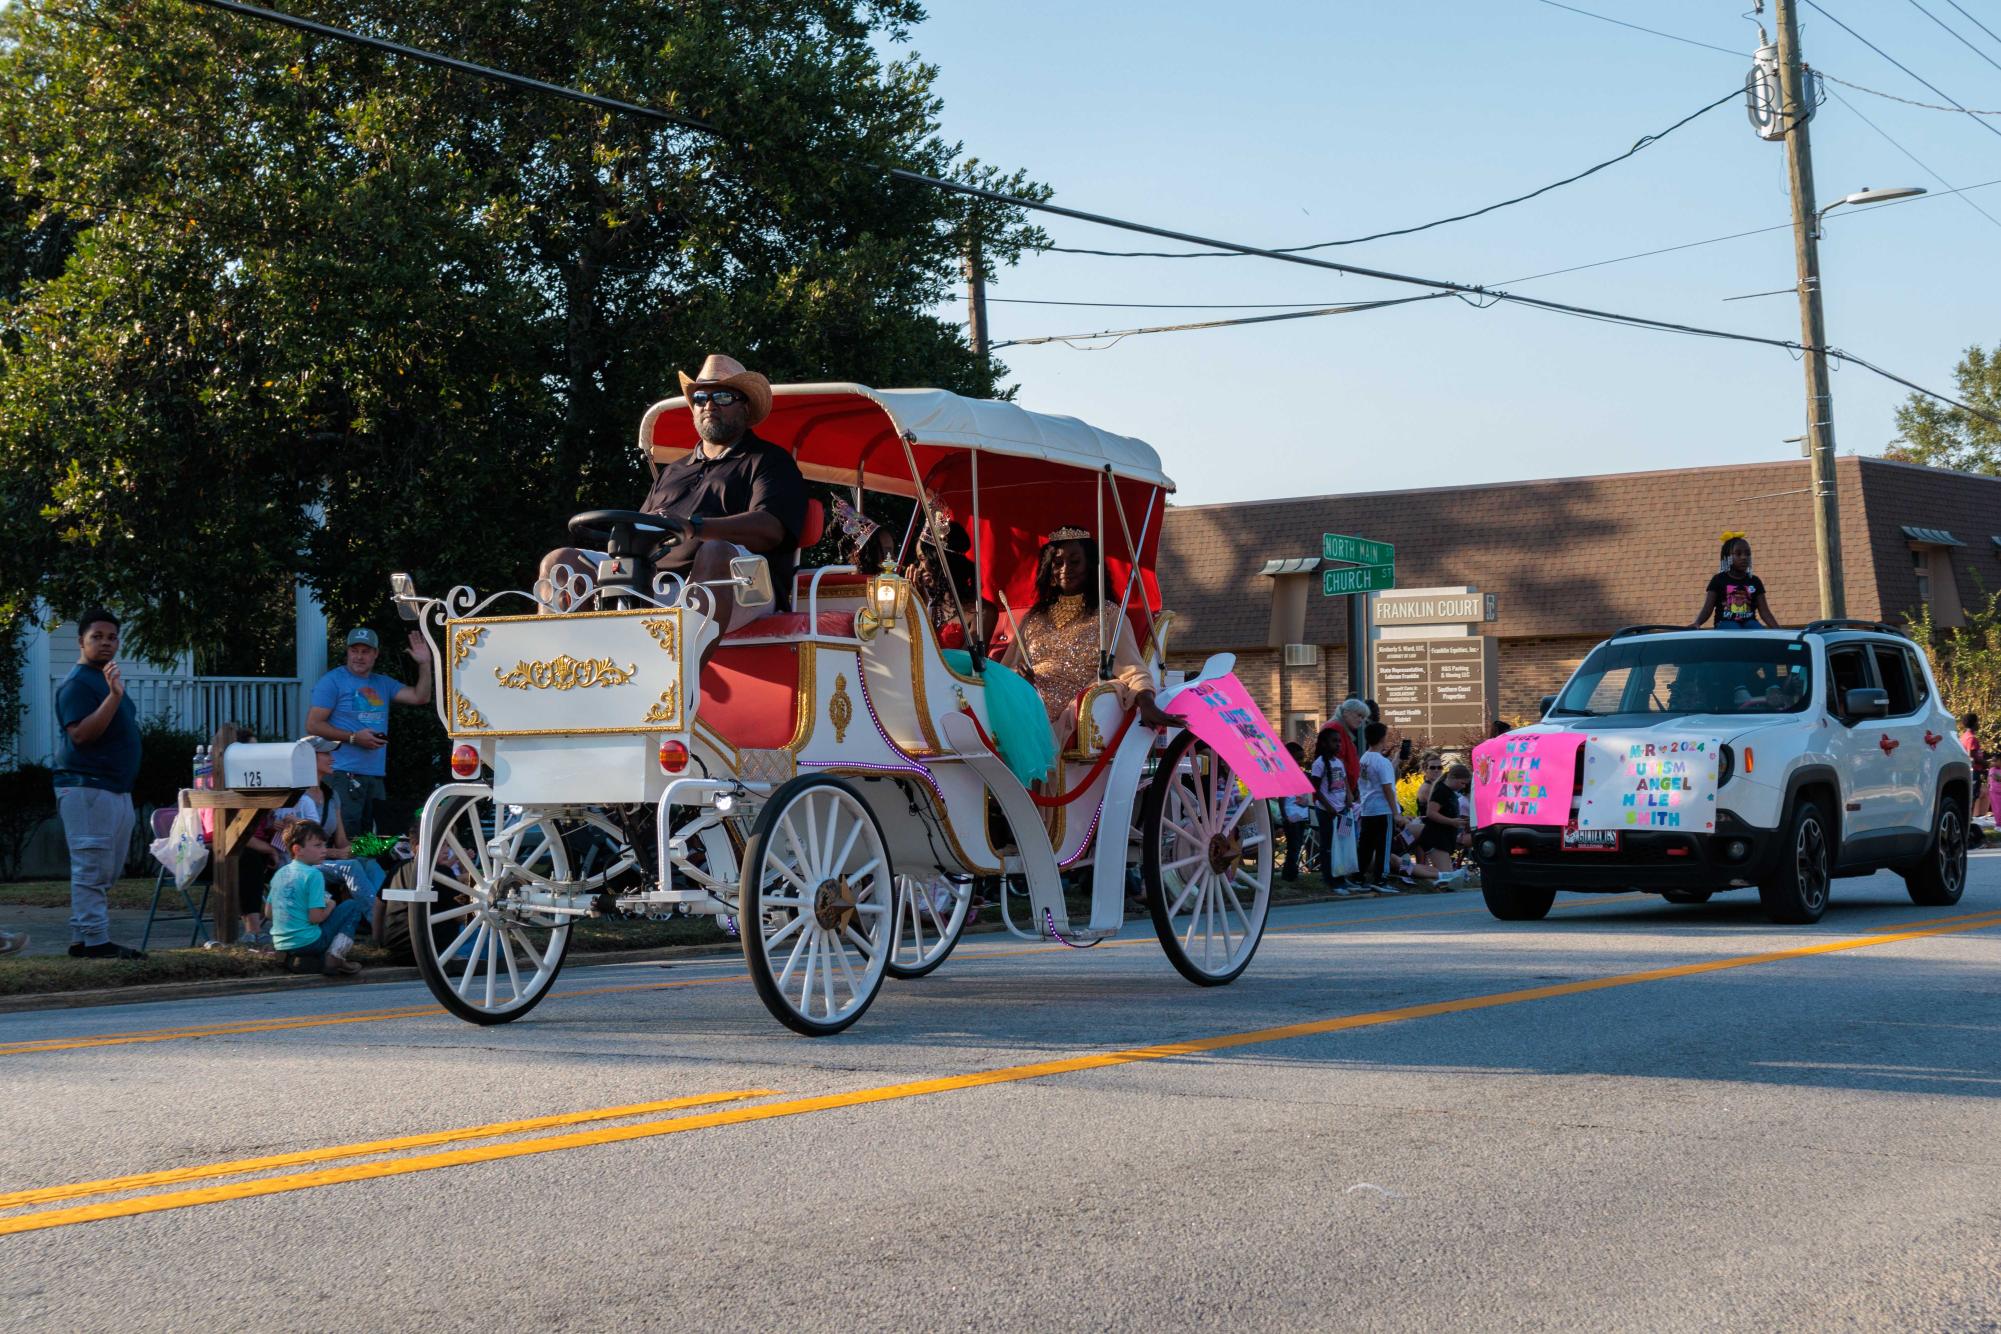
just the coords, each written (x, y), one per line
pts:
(321, 312)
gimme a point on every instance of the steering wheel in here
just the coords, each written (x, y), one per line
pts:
(601, 527)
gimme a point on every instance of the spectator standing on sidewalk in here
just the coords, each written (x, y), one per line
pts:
(351, 705)
(1333, 798)
(1296, 813)
(96, 761)
(1379, 801)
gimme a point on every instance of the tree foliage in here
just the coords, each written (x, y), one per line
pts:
(1966, 660)
(1943, 437)
(277, 306)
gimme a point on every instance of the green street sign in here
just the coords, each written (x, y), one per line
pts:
(1358, 579)
(1356, 550)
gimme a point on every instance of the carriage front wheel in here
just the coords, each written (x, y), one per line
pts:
(816, 898)
(486, 954)
(1207, 858)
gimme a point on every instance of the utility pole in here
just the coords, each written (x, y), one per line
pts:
(976, 290)
(1795, 106)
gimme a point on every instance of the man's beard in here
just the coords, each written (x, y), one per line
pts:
(717, 433)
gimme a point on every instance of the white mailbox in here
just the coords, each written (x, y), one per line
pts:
(269, 764)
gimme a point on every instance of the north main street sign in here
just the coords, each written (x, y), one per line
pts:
(1358, 579)
(1356, 551)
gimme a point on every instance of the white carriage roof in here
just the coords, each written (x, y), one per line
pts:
(821, 425)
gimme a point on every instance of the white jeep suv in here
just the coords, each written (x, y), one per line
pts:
(1838, 760)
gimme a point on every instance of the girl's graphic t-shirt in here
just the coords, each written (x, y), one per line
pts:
(1736, 596)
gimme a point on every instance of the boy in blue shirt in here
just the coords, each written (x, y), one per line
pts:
(303, 922)
(350, 705)
(97, 758)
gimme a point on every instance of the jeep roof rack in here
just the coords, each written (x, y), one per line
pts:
(1646, 630)
(1846, 623)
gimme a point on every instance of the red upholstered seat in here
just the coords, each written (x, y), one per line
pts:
(792, 624)
(750, 691)
(815, 526)
(750, 694)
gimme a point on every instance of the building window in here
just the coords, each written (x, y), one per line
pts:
(1921, 569)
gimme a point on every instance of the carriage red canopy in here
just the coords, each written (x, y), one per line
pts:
(1036, 472)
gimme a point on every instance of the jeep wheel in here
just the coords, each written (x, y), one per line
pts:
(1686, 895)
(1795, 891)
(1939, 878)
(1516, 903)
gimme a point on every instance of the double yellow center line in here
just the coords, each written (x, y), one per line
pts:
(674, 1125)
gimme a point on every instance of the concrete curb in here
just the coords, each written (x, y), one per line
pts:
(241, 986)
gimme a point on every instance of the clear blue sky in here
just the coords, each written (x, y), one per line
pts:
(1287, 123)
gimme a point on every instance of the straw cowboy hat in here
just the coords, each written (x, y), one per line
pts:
(720, 372)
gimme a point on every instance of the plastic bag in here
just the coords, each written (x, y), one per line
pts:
(1341, 856)
(183, 851)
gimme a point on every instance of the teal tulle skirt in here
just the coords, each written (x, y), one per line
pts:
(1014, 716)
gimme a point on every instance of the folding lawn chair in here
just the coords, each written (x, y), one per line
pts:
(163, 824)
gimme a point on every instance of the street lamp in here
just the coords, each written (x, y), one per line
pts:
(1866, 196)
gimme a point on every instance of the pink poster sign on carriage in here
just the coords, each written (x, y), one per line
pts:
(1525, 778)
(1222, 714)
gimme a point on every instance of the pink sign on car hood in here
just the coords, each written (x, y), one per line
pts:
(1525, 778)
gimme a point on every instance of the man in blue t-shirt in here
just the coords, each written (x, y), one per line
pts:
(96, 760)
(351, 705)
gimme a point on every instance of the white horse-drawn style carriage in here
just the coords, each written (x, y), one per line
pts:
(826, 783)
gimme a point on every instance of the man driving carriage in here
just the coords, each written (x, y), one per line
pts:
(735, 495)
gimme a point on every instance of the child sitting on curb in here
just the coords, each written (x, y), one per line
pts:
(304, 924)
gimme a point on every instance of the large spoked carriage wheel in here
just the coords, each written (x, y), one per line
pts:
(817, 898)
(927, 932)
(1206, 854)
(487, 956)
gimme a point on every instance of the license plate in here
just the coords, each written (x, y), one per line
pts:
(1590, 840)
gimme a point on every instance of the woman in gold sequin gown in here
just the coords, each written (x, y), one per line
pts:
(1056, 644)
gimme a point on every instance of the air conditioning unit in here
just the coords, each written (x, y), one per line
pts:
(1302, 655)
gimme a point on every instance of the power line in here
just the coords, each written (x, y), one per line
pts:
(1603, 18)
(1955, 33)
(968, 191)
(1902, 66)
(1975, 22)
(1922, 165)
(1907, 101)
(1505, 282)
(1119, 335)
(1638, 144)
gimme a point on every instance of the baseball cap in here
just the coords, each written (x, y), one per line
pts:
(363, 636)
(321, 743)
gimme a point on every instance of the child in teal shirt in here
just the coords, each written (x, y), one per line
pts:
(303, 922)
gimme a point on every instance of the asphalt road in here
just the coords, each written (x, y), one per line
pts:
(1405, 1116)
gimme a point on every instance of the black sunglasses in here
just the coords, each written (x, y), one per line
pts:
(722, 398)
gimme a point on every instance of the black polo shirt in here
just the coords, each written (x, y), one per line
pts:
(753, 477)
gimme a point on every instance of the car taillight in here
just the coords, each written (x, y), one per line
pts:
(465, 761)
(673, 756)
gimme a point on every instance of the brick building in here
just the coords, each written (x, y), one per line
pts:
(1571, 559)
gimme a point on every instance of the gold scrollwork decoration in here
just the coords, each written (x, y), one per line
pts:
(464, 716)
(663, 632)
(564, 672)
(464, 641)
(840, 709)
(667, 709)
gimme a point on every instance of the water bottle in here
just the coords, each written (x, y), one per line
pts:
(204, 768)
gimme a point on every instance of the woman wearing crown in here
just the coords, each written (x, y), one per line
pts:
(1056, 645)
